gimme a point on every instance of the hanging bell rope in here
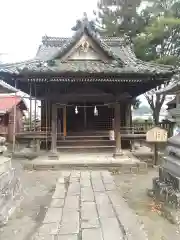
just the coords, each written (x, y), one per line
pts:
(95, 111)
(76, 110)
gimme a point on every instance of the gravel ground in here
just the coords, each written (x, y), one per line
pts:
(38, 188)
(133, 188)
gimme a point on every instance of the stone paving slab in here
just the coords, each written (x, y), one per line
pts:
(67, 237)
(45, 237)
(87, 194)
(60, 191)
(57, 203)
(70, 223)
(53, 215)
(86, 205)
(49, 229)
(89, 234)
(71, 203)
(111, 230)
(89, 215)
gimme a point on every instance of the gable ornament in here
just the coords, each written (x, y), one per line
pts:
(85, 46)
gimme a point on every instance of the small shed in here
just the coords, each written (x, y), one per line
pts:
(7, 107)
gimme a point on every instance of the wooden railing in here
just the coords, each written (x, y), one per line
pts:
(144, 127)
(3, 130)
(136, 128)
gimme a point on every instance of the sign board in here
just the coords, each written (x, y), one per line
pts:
(156, 135)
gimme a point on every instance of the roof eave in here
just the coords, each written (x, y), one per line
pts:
(170, 89)
(112, 73)
(6, 88)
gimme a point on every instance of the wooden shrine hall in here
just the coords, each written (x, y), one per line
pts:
(86, 84)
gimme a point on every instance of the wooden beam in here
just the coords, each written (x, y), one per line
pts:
(35, 109)
(88, 97)
(85, 116)
(128, 115)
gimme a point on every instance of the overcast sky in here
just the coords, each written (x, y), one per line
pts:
(24, 22)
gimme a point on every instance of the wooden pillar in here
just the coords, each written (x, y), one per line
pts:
(117, 123)
(53, 155)
(85, 116)
(54, 129)
(129, 130)
(64, 121)
(128, 116)
(30, 117)
(35, 107)
(14, 119)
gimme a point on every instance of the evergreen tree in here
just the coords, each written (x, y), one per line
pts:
(159, 42)
(154, 32)
(119, 19)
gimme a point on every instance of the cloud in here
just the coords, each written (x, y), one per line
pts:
(23, 23)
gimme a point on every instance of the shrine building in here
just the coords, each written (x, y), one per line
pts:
(86, 85)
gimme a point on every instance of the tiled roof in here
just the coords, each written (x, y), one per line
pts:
(172, 88)
(78, 66)
(50, 45)
(8, 102)
(6, 88)
(173, 101)
(119, 51)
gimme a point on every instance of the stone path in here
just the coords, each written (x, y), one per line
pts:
(86, 205)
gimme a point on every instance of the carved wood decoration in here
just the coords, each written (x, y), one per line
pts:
(85, 46)
(85, 49)
(85, 52)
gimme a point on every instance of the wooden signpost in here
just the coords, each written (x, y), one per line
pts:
(156, 135)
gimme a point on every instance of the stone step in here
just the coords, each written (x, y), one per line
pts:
(87, 142)
(87, 137)
(89, 133)
(123, 165)
(85, 147)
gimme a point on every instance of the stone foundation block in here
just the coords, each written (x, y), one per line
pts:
(53, 156)
(10, 189)
(134, 170)
(142, 166)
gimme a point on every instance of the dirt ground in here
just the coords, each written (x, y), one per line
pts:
(39, 187)
(134, 190)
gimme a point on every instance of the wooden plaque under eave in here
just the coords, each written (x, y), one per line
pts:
(156, 134)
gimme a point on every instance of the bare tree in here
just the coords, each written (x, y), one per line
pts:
(156, 100)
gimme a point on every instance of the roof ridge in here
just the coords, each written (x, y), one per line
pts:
(50, 40)
(86, 27)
